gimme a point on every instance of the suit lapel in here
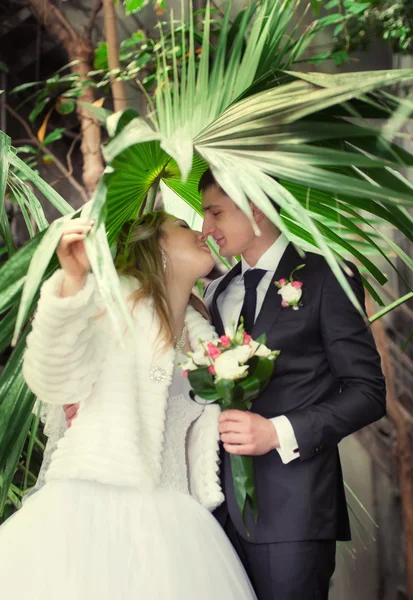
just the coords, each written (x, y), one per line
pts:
(271, 307)
(221, 287)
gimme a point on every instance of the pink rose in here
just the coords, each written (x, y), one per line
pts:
(225, 341)
(282, 282)
(185, 373)
(211, 369)
(284, 304)
(297, 284)
(213, 351)
(247, 338)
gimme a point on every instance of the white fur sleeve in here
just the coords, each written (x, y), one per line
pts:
(203, 459)
(60, 363)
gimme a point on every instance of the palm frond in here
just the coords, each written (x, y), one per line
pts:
(283, 131)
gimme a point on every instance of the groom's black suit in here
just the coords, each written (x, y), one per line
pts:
(328, 382)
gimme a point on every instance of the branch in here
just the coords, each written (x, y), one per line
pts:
(112, 40)
(220, 10)
(80, 52)
(140, 24)
(92, 19)
(59, 165)
(69, 154)
(56, 22)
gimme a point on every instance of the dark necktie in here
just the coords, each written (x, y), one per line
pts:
(252, 277)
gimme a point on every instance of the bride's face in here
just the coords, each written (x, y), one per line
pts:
(185, 249)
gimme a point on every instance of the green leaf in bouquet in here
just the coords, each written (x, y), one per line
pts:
(237, 401)
(251, 387)
(225, 388)
(261, 369)
(208, 395)
(262, 339)
(201, 380)
(242, 468)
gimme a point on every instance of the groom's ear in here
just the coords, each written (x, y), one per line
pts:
(257, 213)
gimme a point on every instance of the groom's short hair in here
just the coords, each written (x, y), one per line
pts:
(207, 180)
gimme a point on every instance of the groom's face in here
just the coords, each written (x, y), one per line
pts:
(225, 222)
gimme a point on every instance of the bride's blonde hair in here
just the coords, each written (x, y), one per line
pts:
(139, 255)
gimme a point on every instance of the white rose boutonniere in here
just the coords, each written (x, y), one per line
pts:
(291, 291)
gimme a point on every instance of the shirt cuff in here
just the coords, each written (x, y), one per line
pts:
(288, 449)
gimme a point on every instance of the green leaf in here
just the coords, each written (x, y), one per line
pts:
(201, 380)
(208, 395)
(101, 261)
(53, 136)
(251, 388)
(66, 106)
(390, 307)
(225, 388)
(38, 266)
(101, 56)
(40, 106)
(16, 403)
(5, 232)
(25, 86)
(261, 369)
(338, 29)
(26, 149)
(118, 121)
(101, 114)
(52, 196)
(262, 339)
(137, 131)
(242, 468)
(6, 328)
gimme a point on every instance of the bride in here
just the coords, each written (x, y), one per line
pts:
(125, 511)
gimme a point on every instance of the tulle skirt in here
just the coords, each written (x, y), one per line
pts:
(80, 540)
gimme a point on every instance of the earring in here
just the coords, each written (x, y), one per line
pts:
(163, 259)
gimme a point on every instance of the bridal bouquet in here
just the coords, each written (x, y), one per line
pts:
(232, 371)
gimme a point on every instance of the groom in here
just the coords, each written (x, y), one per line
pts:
(327, 384)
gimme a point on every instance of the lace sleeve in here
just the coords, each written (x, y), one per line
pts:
(53, 418)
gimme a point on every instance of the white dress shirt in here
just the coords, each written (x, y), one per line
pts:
(229, 305)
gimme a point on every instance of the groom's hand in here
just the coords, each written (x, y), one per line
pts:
(247, 433)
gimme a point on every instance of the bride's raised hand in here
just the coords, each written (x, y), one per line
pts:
(72, 255)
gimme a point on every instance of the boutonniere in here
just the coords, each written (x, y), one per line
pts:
(291, 291)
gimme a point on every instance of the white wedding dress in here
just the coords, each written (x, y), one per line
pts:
(83, 540)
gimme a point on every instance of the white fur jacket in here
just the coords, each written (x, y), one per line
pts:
(74, 355)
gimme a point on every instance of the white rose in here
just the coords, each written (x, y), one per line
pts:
(241, 353)
(189, 365)
(260, 350)
(199, 357)
(227, 366)
(291, 294)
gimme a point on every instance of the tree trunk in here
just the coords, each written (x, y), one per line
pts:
(91, 135)
(78, 48)
(403, 423)
(112, 40)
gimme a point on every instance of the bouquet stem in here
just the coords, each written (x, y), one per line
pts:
(243, 477)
